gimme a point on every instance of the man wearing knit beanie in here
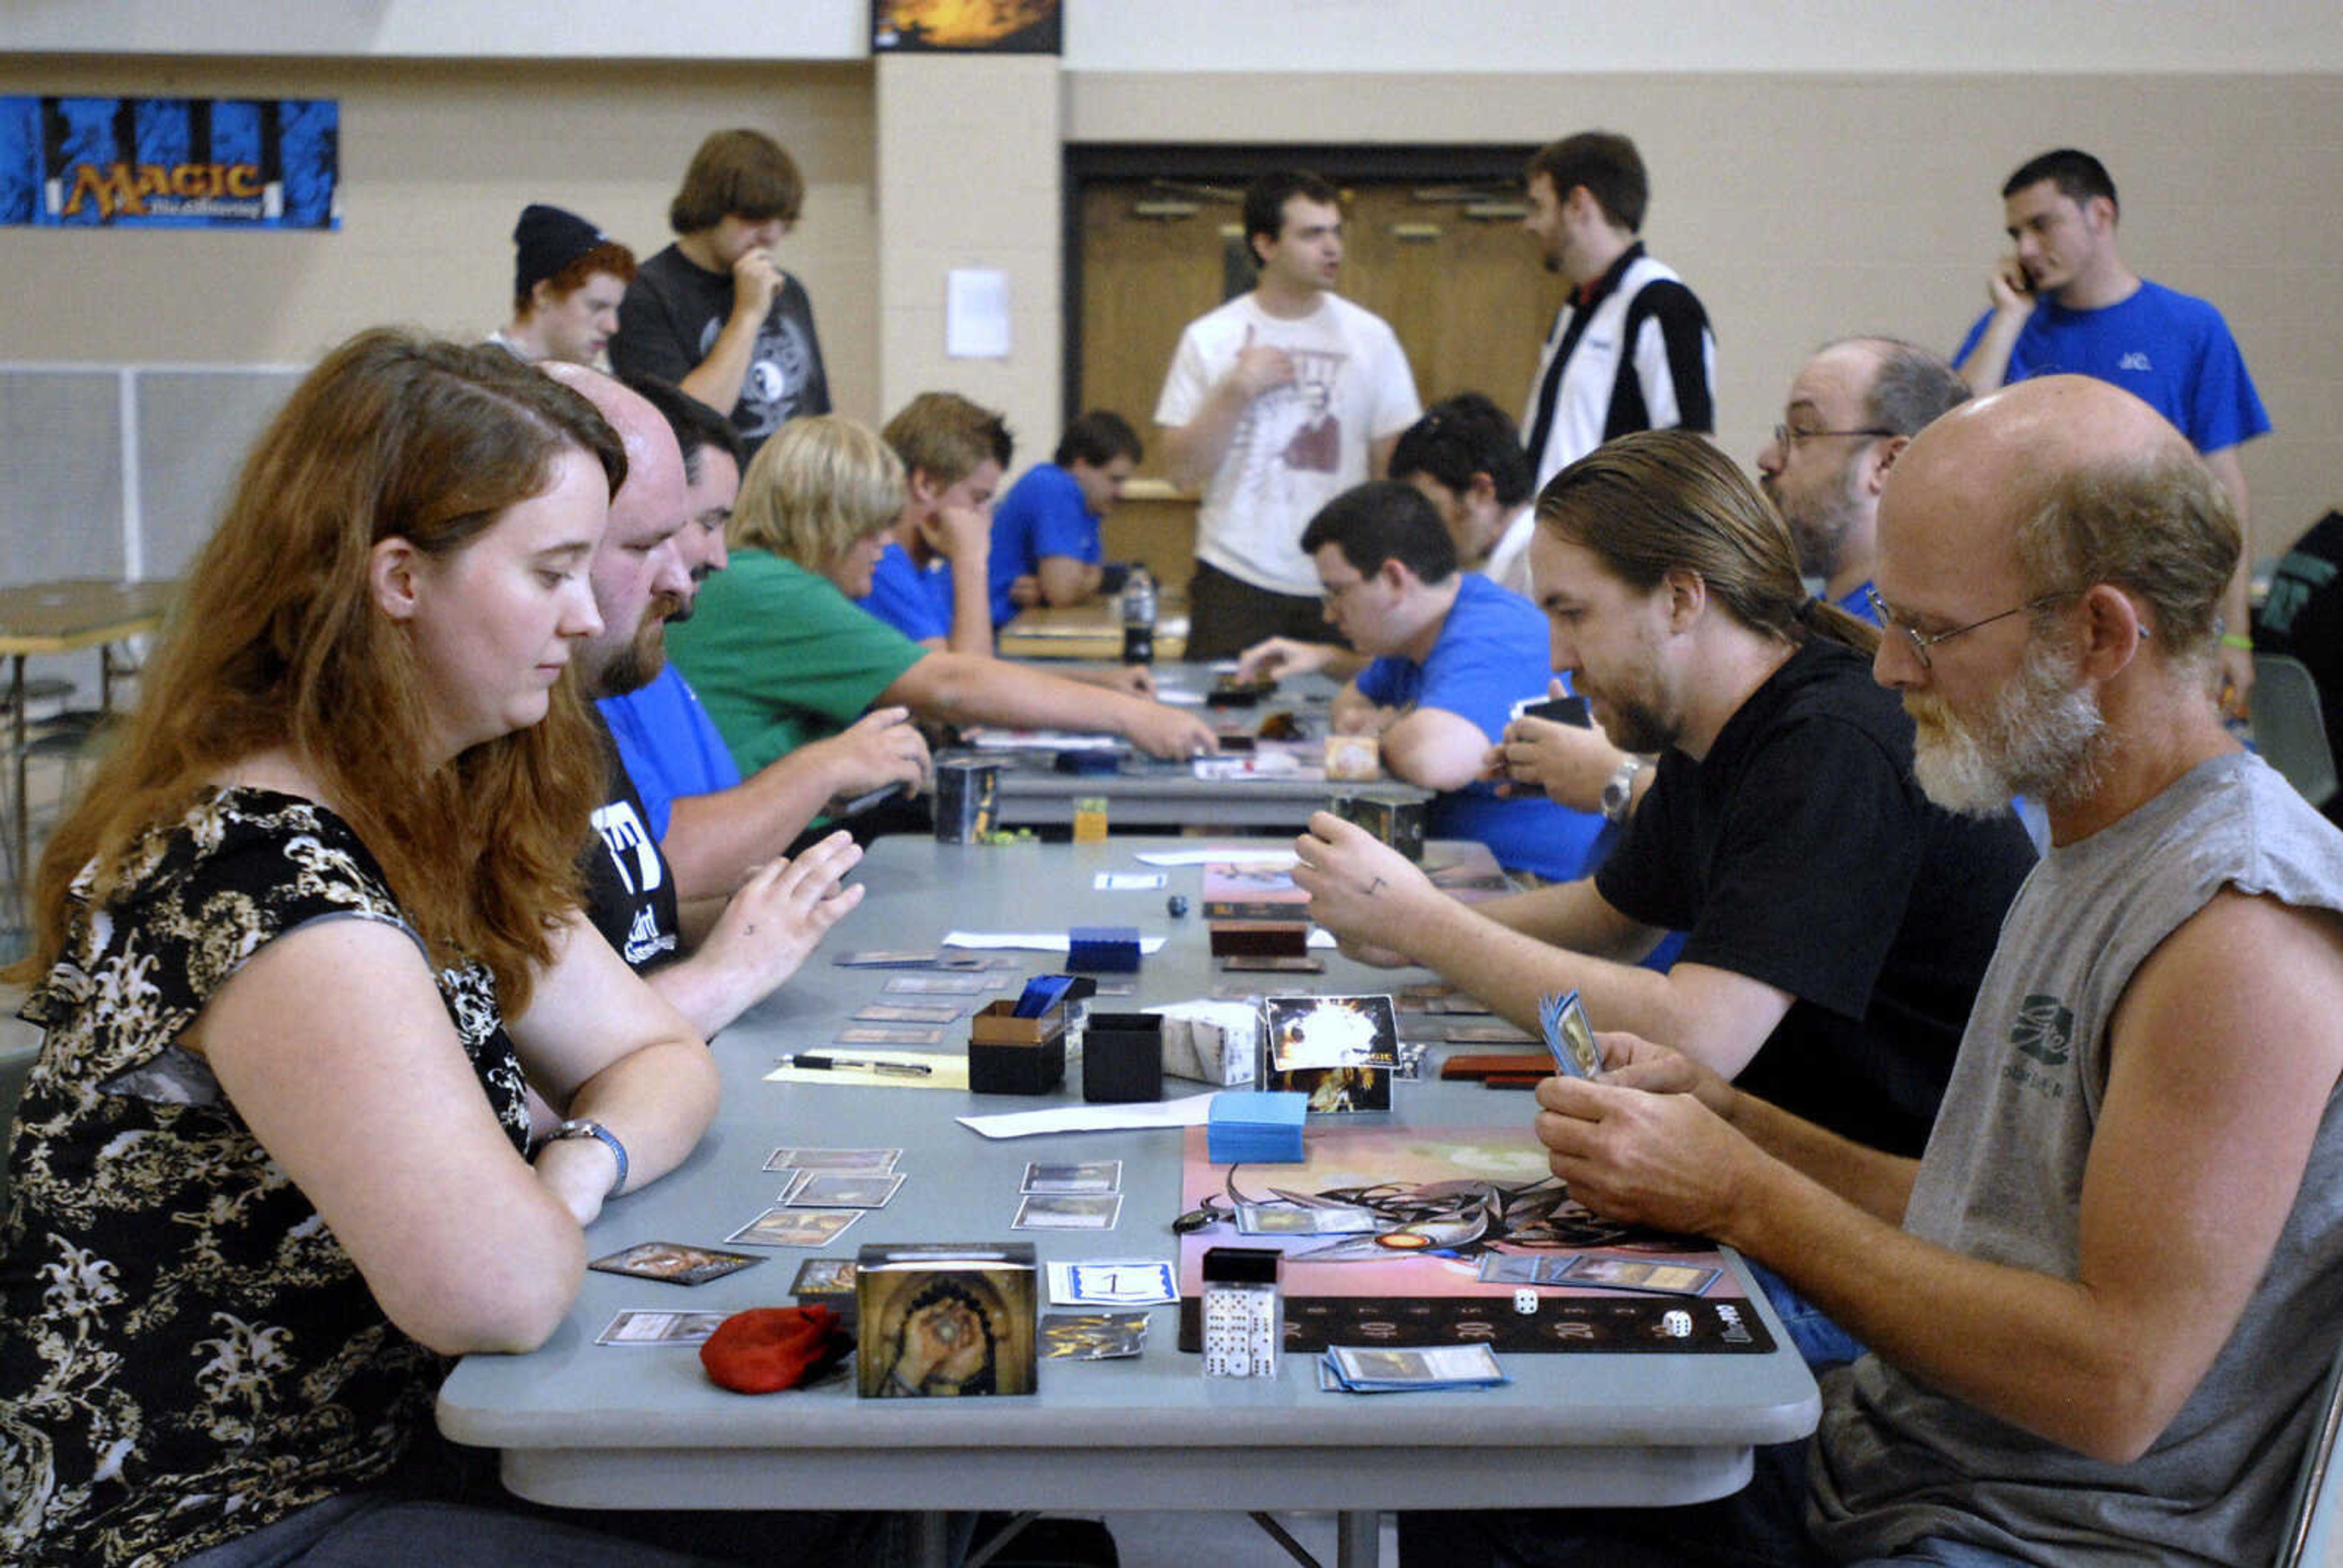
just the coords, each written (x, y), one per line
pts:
(567, 279)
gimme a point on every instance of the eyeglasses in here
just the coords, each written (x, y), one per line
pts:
(1785, 437)
(1890, 620)
(1334, 596)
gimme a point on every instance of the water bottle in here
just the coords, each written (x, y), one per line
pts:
(1138, 617)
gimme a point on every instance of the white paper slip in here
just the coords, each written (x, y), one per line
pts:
(1319, 937)
(1043, 741)
(1176, 698)
(1190, 1111)
(1224, 855)
(1128, 882)
(1031, 941)
(1260, 765)
(1139, 1283)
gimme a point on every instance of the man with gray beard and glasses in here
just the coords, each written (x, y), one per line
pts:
(2101, 1304)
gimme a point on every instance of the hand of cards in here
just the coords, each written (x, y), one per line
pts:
(1563, 1019)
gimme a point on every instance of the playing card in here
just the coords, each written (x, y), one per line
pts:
(1068, 1211)
(795, 1227)
(908, 1012)
(637, 1327)
(841, 1189)
(833, 1159)
(676, 1262)
(1080, 1176)
(888, 1034)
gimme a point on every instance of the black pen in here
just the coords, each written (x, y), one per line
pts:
(854, 1064)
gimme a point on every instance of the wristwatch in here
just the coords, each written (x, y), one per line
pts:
(1619, 794)
(585, 1127)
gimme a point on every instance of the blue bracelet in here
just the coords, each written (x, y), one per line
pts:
(585, 1127)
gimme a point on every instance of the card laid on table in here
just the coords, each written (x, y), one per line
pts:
(1068, 1211)
(795, 1227)
(833, 1159)
(908, 1012)
(890, 1034)
(841, 1189)
(1074, 1176)
(676, 1262)
(941, 985)
(637, 1327)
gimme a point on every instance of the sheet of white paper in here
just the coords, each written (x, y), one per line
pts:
(1127, 881)
(1191, 1112)
(1179, 699)
(1319, 937)
(1031, 942)
(976, 313)
(1224, 855)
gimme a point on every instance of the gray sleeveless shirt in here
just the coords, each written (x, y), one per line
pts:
(2002, 1180)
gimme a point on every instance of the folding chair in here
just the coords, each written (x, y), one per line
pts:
(2289, 728)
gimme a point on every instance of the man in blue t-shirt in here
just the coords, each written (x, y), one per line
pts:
(2064, 301)
(934, 582)
(711, 826)
(1045, 532)
(1452, 653)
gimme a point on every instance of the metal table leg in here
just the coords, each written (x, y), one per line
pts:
(1359, 1540)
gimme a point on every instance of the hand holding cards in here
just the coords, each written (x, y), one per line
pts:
(1569, 1036)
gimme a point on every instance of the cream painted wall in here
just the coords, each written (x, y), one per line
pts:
(1858, 195)
(1803, 208)
(438, 158)
(1302, 37)
(968, 177)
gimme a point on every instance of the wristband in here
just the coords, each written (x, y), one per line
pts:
(2237, 640)
(583, 1127)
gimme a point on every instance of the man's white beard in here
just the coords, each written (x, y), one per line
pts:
(2043, 738)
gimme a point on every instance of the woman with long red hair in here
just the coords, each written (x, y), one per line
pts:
(296, 953)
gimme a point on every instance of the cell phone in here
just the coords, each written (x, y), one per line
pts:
(1558, 709)
(869, 797)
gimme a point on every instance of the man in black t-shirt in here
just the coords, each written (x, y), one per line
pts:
(1838, 922)
(734, 951)
(712, 313)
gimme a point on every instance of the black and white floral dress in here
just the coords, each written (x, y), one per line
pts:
(185, 1351)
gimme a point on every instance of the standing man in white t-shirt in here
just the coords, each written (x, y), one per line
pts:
(1276, 403)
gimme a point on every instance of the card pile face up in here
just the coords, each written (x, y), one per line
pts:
(1377, 1369)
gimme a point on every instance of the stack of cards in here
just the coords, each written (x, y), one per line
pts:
(1351, 1369)
(1644, 1276)
(1256, 1129)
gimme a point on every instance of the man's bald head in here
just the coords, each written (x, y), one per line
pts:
(2065, 481)
(638, 570)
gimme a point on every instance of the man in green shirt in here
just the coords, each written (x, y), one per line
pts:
(780, 655)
